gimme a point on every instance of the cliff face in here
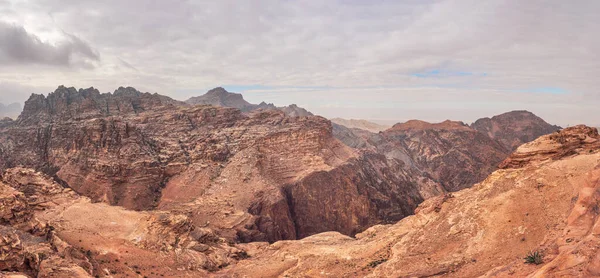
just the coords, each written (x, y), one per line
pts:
(259, 176)
(368, 190)
(546, 201)
(450, 153)
(51, 231)
(514, 128)
(354, 137)
(66, 104)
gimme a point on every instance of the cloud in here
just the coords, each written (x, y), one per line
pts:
(11, 92)
(17, 46)
(496, 48)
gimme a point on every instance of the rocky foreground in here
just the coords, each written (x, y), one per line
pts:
(544, 199)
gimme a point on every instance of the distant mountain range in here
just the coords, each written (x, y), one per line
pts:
(361, 124)
(11, 110)
(222, 98)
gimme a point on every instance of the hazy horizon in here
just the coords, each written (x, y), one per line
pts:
(377, 60)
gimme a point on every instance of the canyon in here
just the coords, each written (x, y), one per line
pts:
(544, 198)
(102, 182)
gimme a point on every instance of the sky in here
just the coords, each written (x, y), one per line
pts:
(386, 61)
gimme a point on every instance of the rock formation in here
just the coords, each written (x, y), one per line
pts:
(222, 98)
(514, 128)
(50, 231)
(545, 199)
(258, 176)
(354, 137)
(140, 184)
(450, 153)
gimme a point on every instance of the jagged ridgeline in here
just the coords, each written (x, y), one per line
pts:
(198, 179)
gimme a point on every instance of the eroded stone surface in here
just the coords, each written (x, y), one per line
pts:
(548, 204)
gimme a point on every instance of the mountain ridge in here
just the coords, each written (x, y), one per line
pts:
(221, 97)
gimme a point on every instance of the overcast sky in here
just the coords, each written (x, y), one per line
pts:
(372, 59)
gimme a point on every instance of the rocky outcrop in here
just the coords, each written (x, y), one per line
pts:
(293, 110)
(26, 244)
(354, 137)
(247, 176)
(221, 98)
(76, 238)
(66, 104)
(548, 205)
(450, 153)
(366, 191)
(576, 140)
(514, 128)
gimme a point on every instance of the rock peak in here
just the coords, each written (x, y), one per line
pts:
(68, 103)
(514, 128)
(218, 91)
(422, 125)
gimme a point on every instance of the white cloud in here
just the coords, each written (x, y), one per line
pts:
(174, 46)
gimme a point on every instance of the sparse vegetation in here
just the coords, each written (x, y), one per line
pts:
(534, 257)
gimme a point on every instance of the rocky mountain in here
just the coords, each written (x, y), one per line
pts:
(222, 98)
(258, 176)
(453, 154)
(10, 111)
(544, 199)
(130, 183)
(514, 128)
(450, 152)
(66, 104)
(354, 137)
(360, 124)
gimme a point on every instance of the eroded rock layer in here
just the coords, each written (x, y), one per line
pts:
(48, 230)
(249, 176)
(546, 201)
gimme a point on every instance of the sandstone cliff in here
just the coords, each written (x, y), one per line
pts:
(450, 153)
(258, 176)
(354, 137)
(544, 199)
(50, 231)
